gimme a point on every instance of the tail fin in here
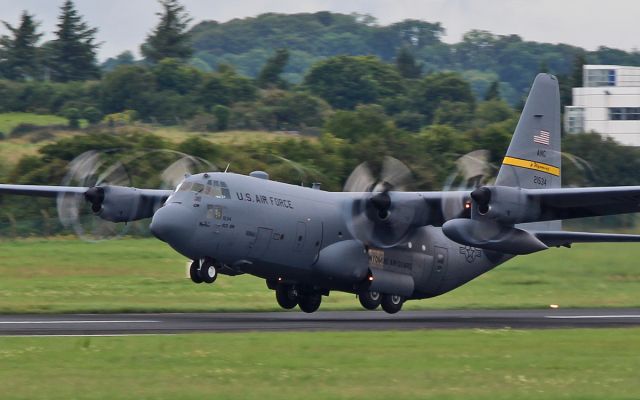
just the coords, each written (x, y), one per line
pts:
(533, 158)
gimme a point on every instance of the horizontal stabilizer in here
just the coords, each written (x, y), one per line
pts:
(562, 238)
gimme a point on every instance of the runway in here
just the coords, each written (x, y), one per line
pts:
(134, 324)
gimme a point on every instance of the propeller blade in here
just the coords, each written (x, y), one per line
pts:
(374, 218)
(472, 171)
(360, 180)
(395, 175)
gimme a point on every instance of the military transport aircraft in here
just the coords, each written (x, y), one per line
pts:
(384, 245)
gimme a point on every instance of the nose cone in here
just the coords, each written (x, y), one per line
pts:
(173, 224)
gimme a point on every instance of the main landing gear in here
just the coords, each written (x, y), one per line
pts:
(390, 303)
(203, 271)
(288, 296)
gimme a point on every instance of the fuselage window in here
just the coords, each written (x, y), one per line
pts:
(197, 187)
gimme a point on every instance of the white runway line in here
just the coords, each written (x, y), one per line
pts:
(79, 322)
(589, 316)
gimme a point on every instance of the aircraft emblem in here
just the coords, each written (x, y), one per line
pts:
(470, 253)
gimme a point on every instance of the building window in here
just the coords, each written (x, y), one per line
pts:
(574, 119)
(600, 77)
(612, 77)
(624, 113)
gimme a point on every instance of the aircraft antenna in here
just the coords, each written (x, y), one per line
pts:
(227, 169)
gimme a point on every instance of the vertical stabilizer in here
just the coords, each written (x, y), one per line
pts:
(533, 159)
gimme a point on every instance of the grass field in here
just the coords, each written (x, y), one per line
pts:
(12, 149)
(497, 364)
(66, 275)
(8, 121)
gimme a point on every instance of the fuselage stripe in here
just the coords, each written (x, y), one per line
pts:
(534, 165)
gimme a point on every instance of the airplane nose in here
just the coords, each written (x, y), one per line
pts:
(172, 223)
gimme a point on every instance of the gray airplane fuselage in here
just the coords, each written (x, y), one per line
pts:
(288, 233)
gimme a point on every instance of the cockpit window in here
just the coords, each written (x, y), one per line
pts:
(217, 189)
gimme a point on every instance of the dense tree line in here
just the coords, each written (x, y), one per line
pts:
(481, 57)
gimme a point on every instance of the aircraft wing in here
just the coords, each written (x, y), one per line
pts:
(571, 203)
(41, 191)
(53, 191)
(112, 203)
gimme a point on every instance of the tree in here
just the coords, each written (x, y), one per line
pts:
(173, 75)
(345, 81)
(128, 87)
(366, 120)
(270, 73)
(439, 87)
(406, 64)
(73, 53)
(124, 58)
(170, 38)
(493, 93)
(19, 53)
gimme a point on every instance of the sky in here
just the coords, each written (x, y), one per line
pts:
(124, 24)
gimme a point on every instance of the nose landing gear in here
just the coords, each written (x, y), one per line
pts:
(203, 271)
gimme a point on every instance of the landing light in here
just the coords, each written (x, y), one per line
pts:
(467, 205)
(554, 306)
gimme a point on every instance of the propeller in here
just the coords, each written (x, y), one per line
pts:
(98, 170)
(473, 170)
(373, 217)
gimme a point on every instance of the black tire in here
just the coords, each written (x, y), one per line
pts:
(310, 302)
(370, 300)
(194, 272)
(391, 303)
(208, 272)
(286, 296)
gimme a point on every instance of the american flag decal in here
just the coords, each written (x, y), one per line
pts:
(542, 137)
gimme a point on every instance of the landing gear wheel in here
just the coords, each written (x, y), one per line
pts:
(391, 303)
(286, 296)
(310, 302)
(208, 272)
(194, 271)
(370, 300)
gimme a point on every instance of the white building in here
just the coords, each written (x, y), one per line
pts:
(608, 103)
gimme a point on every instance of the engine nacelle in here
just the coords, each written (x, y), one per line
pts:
(503, 204)
(120, 203)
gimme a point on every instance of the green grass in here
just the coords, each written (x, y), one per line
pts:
(13, 149)
(478, 364)
(62, 275)
(8, 121)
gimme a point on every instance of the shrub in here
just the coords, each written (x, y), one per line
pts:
(92, 115)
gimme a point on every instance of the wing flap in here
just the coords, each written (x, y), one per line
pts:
(586, 202)
(566, 238)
